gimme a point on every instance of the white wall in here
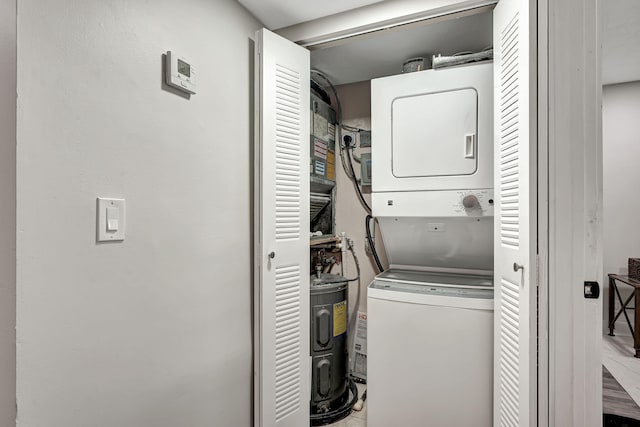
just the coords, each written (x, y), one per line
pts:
(156, 330)
(621, 156)
(7, 211)
(350, 215)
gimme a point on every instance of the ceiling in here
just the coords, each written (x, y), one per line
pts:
(275, 14)
(620, 41)
(383, 53)
(620, 38)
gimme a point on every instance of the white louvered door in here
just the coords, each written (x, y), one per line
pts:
(282, 364)
(515, 335)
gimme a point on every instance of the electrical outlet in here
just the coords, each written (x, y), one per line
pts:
(349, 137)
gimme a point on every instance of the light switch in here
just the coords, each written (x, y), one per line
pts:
(110, 220)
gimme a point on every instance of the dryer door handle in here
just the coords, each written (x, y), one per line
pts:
(470, 146)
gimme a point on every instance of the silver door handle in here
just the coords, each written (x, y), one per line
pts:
(517, 266)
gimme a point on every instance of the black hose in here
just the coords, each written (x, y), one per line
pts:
(355, 183)
(374, 252)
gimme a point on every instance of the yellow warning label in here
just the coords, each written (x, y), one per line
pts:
(331, 165)
(339, 318)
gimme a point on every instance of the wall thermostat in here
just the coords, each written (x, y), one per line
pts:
(180, 73)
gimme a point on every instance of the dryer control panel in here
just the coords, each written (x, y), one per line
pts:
(452, 203)
(474, 202)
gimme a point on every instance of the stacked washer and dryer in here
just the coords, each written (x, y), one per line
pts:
(430, 316)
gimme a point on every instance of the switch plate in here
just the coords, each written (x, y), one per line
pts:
(110, 220)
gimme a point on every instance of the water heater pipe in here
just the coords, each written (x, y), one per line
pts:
(343, 248)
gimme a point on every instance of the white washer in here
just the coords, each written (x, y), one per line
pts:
(430, 350)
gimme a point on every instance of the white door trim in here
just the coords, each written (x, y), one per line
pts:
(575, 195)
(543, 216)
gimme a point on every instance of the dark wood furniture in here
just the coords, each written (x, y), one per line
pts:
(614, 280)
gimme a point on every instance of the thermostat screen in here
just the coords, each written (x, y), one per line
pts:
(184, 68)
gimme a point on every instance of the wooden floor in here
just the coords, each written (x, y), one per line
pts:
(615, 399)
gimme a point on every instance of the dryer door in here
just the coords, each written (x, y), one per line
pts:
(434, 134)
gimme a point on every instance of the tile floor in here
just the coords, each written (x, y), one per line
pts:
(617, 357)
(356, 419)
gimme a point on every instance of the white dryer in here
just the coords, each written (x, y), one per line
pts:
(433, 130)
(430, 350)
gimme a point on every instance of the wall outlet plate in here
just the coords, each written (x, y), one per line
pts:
(349, 137)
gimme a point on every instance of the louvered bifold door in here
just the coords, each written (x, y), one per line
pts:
(515, 219)
(282, 367)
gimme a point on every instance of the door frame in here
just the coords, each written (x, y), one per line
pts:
(310, 36)
(571, 141)
(569, 149)
(542, 266)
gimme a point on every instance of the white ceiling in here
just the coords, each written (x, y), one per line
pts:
(275, 14)
(620, 41)
(383, 53)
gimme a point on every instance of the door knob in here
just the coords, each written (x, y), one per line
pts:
(272, 255)
(517, 266)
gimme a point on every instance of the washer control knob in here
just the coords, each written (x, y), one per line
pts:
(470, 202)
